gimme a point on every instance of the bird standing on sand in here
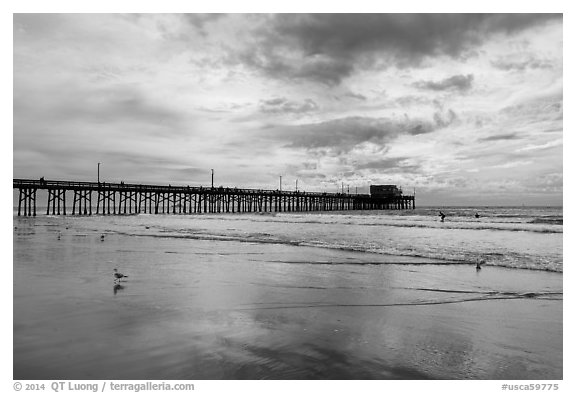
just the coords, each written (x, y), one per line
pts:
(118, 276)
(478, 267)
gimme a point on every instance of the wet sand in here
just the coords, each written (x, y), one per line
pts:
(196, 309)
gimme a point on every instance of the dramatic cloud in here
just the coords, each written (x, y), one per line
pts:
(445, 119)
(543, 107)
(400, 164)
(99, 106)
(328, 47)
(200, 20)
(452, 104)
(547, 145)
(342, 135)
(454, 83)
(283, 105)
(356, 96)
(503, 137)
(521, 63)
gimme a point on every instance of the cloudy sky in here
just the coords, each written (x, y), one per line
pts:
(464, 108)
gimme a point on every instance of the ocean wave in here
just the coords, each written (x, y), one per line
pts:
(551, 221)
(417, 257)
(493, 227)
(552, 227)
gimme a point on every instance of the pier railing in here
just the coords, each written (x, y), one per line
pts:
(126, 198)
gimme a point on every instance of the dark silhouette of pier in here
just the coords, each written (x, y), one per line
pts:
(121, 198)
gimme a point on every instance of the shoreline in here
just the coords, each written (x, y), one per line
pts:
(493, 240)
(370, 257)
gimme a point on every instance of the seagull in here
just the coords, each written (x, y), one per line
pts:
(118, 276)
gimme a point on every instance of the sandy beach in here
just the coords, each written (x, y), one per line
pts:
(206, 309)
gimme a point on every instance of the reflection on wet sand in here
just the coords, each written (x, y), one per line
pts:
(220, 310)
(117, 287)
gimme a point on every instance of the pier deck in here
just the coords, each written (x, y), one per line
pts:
(121, 198)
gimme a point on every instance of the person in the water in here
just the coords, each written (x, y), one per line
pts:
(477, 215)
(442, 215)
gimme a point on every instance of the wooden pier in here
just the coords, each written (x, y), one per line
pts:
(120, 198)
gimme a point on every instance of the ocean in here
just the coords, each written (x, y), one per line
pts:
(512, 237)
(390, 294)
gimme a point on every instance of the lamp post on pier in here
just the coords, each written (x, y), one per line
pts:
(212, 177)
(98, 173)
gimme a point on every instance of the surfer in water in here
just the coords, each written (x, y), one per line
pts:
(477, 215)
(442, 215)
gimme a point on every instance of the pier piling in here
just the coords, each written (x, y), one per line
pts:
(157, 199)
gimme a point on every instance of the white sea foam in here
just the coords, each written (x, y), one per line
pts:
(526, 238)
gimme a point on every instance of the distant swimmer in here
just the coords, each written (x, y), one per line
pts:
(102, 237)
(477, 215)
(118, 276)
(442, 216)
